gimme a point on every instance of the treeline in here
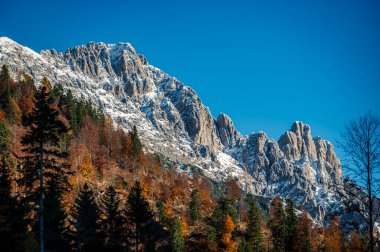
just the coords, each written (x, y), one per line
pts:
(102, 192)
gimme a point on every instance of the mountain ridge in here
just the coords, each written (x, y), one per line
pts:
(173, 121)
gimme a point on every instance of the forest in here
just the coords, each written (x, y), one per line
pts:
(72, 180)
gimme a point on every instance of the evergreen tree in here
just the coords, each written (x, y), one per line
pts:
(244, 246)
(216, 224)
(5, 136)
(5, 90)
(290, 225)
(13, 221)
(139, 217)
(43, 160)
(195, 206)
(277, 224)
(162, 214)
(254, 232)
(136, 144)
(112, 223)
(55, 218)
(85, 215)
(176, 238)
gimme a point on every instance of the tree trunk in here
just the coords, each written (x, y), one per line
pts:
(41, 201)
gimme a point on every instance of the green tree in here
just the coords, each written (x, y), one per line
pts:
(244, 246)
(44, 159)
(195, 206)
(139, 217)
(162, 214)
(176, 238)
(277, 224)
(254, 231)
(136, 143)
(5, 137)
(85, 216)
(290, 225)
(55, 219)
(112, 223)
(216, 225)
(5, 90)
(13, 221)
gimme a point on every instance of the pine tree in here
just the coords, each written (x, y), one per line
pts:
(55, 219)
(136, 144)
(13, 221)
(85, 215)
(139, 217)
(43, 161)
(254, 232)
(195, 206)
(5, 136)
(5, 90)
(277, 224)
(290, 225)
(112, 223)
(244, 246)
(176, 238)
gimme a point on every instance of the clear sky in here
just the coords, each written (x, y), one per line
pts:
(264, 63)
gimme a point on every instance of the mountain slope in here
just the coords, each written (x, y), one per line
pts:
(173, 121)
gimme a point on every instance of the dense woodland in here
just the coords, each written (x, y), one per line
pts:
(103, 192)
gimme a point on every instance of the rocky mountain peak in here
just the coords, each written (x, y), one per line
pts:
(298, 143)
(226, 130)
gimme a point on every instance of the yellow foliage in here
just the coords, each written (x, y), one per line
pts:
(86, 167)
(185, 228)
(226, 240)
(16, 110)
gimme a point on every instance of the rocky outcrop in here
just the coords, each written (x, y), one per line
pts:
(227, 133)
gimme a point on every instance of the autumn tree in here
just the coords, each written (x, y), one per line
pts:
(290, 225)
(302, 241)
(226, 241)
(277, 224)
(112, 222)
(43, 160)
(334, 236)
(361, 145)
(85, 228)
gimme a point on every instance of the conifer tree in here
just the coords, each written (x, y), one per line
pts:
(176, 238)
(43, 159)
(290, 225)
(112, 223)
(244, 246)
(85, 233)
(5, 136)
(13, 221)
(277, 224)
(136, 143)
(195, 206)
(56, 238)
(254, 231)
(139, 217)
(5, 90)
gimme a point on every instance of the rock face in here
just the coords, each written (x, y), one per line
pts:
(173, 121)
(227, 133)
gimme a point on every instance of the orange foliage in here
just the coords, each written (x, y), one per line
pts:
(226, 238)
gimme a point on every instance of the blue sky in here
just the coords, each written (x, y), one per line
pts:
(264, 63)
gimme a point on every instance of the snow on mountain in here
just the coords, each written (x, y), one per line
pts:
(173, 121)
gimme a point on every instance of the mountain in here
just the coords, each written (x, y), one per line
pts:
(173, 121)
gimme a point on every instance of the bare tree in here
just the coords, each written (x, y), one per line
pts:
(361, 146)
